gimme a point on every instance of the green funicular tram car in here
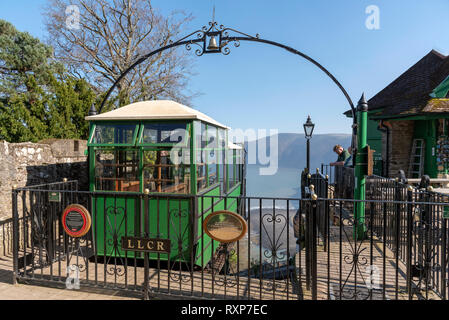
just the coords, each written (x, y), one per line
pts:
(169, 162)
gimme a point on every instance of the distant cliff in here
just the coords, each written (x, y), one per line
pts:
(292, 149)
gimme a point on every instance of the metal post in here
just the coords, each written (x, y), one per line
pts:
(146, 295)
(444, 257)
(326, 216)
(409, 240)
(397, 234)
(15, 235)
(314, 250)
(428, 247)
(360, 165)
(308, 155)
(308, 240)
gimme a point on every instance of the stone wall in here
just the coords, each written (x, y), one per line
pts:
(401, 139)
(27, 164)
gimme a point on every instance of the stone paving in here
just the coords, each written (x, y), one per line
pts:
(9, 291)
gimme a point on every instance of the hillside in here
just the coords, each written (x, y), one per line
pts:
(292, 149)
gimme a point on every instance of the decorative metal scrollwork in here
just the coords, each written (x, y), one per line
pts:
(76, 251)
(115, 217)
(180, 277)
(219, 36)
(356, 260)
(229, 278)
(273, 253)
(40, 237)
(180, 224)
(275, 257)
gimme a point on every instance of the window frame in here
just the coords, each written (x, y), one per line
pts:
(186, 143)
(206, 151)
(112, 123)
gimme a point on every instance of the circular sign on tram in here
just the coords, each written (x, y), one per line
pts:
(76, 220)
(225, 226)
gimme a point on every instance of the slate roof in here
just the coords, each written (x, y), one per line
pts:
(410, 93)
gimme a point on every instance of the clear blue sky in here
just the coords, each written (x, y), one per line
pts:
(258, 86)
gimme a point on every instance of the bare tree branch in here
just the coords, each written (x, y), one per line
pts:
(112, 35)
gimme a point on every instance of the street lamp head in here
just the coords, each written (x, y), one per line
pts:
(308, 128)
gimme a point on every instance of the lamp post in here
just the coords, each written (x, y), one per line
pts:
(308, 130)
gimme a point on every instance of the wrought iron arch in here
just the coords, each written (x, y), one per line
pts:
(225, 37)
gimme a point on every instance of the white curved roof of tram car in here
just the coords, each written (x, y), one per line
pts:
(153, 110)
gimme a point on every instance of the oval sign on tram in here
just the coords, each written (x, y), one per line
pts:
(76, 220)
(225, 226)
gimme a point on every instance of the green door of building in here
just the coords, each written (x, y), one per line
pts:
(426, 130)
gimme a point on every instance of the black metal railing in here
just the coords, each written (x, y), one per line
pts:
(328, 170)
(404, 227)
(340, 180)
(6, 237)
(319, 186)
(414, 219)
(260, 266)
(398, 250)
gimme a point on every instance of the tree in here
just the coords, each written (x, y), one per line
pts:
(99, 39)
(38, 99)
(68, 106)
(23, 58)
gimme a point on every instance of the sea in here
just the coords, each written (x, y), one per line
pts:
(286, 183)
(276, 216)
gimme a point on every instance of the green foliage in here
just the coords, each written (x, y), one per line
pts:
(38, 99)
(68, 107)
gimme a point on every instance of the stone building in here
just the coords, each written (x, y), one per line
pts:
(409, 120)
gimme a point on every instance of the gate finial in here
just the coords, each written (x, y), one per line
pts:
(362, 105)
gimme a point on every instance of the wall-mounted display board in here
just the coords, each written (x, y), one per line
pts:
(442, 153)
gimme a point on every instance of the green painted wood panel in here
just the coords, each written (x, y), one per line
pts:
(112, 219)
